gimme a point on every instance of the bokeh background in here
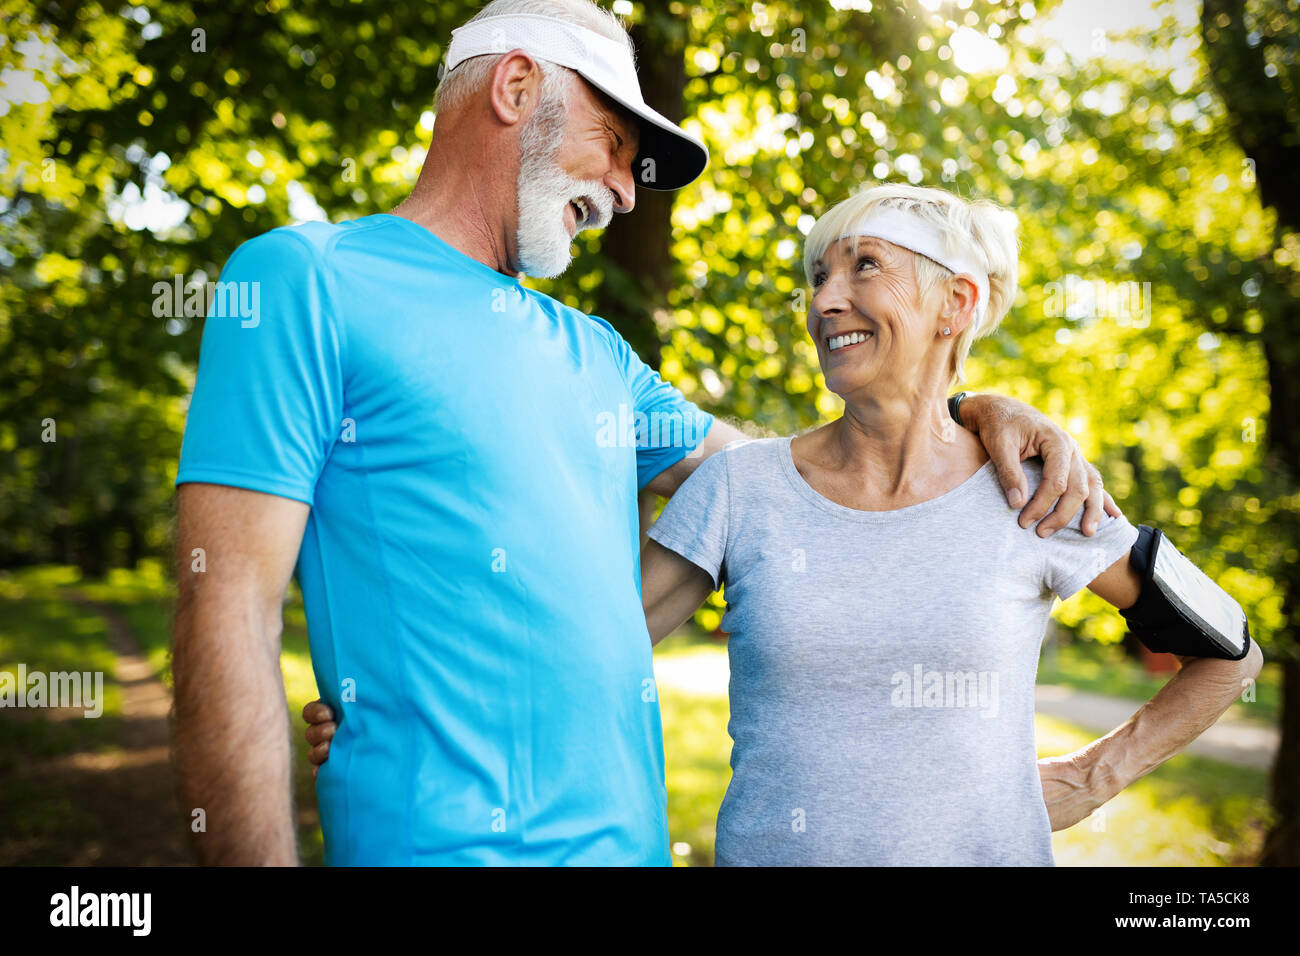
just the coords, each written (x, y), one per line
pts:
(1150, 149)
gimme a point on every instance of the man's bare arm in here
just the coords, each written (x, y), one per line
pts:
(1076, 784)
(226, 664)
(1010, 431)
(670, 479)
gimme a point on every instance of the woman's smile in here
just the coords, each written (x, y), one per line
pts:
(843, 341)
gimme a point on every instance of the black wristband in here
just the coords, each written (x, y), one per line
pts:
(954, 407)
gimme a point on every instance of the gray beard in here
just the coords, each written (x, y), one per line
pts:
(544, 190)
(543, 240)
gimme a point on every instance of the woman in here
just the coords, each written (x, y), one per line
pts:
(885, 609)
(884, 606)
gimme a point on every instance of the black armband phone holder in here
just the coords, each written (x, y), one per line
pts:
(1180, 610)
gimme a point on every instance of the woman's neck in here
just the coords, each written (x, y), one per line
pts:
(894, 435)
(893, 450)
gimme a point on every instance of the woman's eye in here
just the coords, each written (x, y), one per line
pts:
(818, 279)
(866, 260)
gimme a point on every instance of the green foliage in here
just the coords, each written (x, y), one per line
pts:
(1118, 159)
(1105, 669)
(1144, 243)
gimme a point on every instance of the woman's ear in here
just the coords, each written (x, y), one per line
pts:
(959, 306)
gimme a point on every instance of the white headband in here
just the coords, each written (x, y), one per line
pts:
(912, 232)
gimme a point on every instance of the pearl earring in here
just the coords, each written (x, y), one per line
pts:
(947, 331)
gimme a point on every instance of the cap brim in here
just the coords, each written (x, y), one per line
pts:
(678, 158)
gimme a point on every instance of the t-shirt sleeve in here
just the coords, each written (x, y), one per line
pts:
(696, 520)
(668, 427)
(268, 400)
(1073, 560)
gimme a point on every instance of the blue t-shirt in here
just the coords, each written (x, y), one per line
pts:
(471, 450)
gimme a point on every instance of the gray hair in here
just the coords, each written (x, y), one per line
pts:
(460, 84)
(977, 225)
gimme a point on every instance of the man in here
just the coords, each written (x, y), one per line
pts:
(430, 442)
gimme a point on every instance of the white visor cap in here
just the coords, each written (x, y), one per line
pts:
(668, 158)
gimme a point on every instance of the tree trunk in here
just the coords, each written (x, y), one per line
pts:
(1282, 845)
(1261, 116)
(639, 264)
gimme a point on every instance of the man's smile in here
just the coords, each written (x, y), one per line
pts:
(579, 211)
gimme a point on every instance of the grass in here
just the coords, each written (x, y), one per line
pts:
(300, 687)
(48, 634)
(51, 635)
(45, 628)
(1190, 812)
(150, 611)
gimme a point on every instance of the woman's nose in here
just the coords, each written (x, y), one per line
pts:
(830, 299)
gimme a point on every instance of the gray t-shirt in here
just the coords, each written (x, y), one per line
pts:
(882, 663)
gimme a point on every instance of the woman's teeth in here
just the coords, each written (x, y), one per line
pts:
(850, 338)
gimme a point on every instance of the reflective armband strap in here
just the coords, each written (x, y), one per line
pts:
(1180, 610)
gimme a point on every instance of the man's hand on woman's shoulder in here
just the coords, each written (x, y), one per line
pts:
(1011, 432)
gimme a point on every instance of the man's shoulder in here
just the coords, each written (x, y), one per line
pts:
(302, 244)
(593, 323)
(593, 327)
(286, 248)
(319, 237)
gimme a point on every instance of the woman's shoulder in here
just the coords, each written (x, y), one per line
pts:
(753, 454)
(1033, 468)
(747, 447)
(740, 462)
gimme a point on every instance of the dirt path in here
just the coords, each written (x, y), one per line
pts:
(120, 805)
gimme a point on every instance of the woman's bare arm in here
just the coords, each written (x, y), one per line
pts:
(1076, 784)
(672, 588)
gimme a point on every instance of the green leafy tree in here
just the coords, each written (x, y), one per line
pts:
(1150, 172)
(1252, 52)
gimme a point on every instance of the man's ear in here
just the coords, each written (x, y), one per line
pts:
(514, 87)
(959, 305)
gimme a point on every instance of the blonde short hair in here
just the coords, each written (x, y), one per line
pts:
(977, 228)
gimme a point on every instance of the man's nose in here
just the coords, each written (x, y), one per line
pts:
(622, 184)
